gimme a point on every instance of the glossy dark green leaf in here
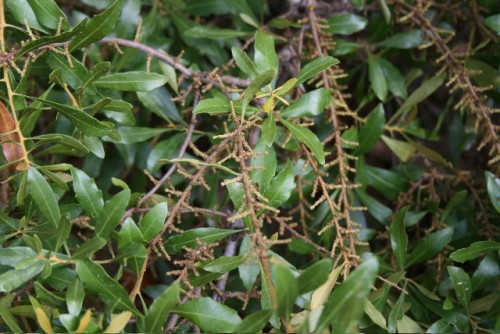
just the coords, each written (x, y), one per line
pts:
(388, 183)
(95, 278)
(346, 303)
(385, 11)
(9, 319)
(493, 22)
(404, 40)
(12, 255)
(402, 149)
(344, 47)
(399, 238)
(486, 273)
(265, 57)
(371, 131)
(286, 290)
(134, 81)
(346, 24)
(397, 313)
(244, 62)
(266, 161)
(111, 213)
(159, 101)
(214, 105)
(89, 247)
(474, 250)
(306, 136)
(44, 197)
(152, 222)
(129, 234)
(453, 204)
(463, 286)
(188, 239)
(83, 121)
(22, 12)
(378, 210)
(45, 40)
(493, 186)
(73, 74)
(309, 104)
(427, 87)
(224, 264)
(269, 129)
(137, 134)
(377, 78)
(429, 246)
(260, 81)
(214, 33)
(48, 14)
(63, 140)
(395, 81)
(209, 315)
(165, 149)
(314, 276)
(157, 315)
(281, 187)
(74, 297)
(87, 193)
(98, 27)
(254, 322)
(315, 67)
(13, 279)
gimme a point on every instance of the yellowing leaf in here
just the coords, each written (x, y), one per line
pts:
(84, 321)
(320, 295)
(118, 322)
(41, 316)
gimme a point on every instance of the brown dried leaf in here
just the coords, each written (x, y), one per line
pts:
(11, 151)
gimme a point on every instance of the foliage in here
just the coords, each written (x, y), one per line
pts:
(247, 166)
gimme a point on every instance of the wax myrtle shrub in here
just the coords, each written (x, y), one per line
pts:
(248, 166)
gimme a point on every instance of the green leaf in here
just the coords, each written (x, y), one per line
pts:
(429, 246)
(260, 81)
(463, 286)
(453, 204)
(403, 150)
(371, 131)
(95, 278)
(22, 12)
(61, 139)
(87, 193)
(378, 210)
(83, 121)
(474, 250)
(44, 197)
(224, 264)
(388, 183)
(493, 186)
(486, 273)
(346, 24)
(281, 187)
(136, 134)
(385, 11)
(188, 239)
(269, 129)
(165, 149)
(254, 322)
(315, 67)
(309, 104)
(209, 315)
(395, 81)
(214, 105)
(153, 221)
(159, 101)
(48, 14)
(214, 33)
(12, 255)
(111, 213)
(9, 319)
(399, 238)
(377, 78)
(129, 234)
(375, 315)
(13, 279)
(133, 81)
(244, 62)
(307, 137)
(265, 158)
(404, 40)
(265, 57)
(427, 87)
(286, 290)
(493, 22)
(46, 40)
(74, 297)
(347, 301)
(98, 27)
(88, 248)
(397, 313)
(157, 315)
(314, 276)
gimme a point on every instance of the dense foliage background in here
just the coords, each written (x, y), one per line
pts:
(249, 165)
